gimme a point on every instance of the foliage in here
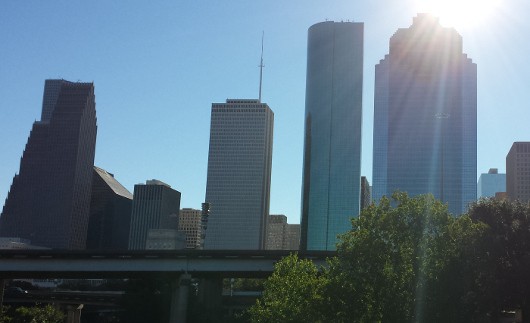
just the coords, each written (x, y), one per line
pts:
(393, 261)
(4, 317)
(292, 293)
(248, 284)
(37, 314)
(502, 259)
(405, 259)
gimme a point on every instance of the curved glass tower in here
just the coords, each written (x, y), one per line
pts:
(332, 147)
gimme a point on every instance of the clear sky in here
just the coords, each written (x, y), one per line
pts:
(158, 65)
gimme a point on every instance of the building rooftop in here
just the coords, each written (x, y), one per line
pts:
(113, 183)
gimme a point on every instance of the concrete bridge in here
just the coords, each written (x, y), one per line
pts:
(177, 265)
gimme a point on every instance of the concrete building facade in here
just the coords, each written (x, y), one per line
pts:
(190, 223)
(282, 235)
(518, 172)
(239, 174)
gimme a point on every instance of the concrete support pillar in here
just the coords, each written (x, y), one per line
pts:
(179, 299)
(211, 293)
(74, 313)
(2, 285)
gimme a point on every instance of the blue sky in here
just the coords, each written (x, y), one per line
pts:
(157, 66)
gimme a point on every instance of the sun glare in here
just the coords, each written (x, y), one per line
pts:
(460, 14)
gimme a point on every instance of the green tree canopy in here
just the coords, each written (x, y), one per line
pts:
(292, 294)
(405, 259)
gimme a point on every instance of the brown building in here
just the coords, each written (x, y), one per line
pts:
(518, 172)
(190, 223)
(366, 193)
(282, 235)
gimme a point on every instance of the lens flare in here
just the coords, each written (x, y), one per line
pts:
(460, 14)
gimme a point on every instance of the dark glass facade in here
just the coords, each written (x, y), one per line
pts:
(425, 116)
(110, 213)
(155, 206)
(49, 199)
(332, 147)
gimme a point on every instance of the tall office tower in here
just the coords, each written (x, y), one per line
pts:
(425, 116)
(332, 143)
(110, 213)
(239, 174)
(49, 200)
(491, 183)
(190, 223)
(155, 207)
(518, 172)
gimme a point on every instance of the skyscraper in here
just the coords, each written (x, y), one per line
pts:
(425, 116)
(491, 183)
(110, 213)
(155, 207)
(332, 143)
(518, 172)
(49, 199)
(239, 174)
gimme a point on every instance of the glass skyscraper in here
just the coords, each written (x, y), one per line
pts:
(332, 143)
(49, 199)
(425, 116)
(491, 183)
(239, 175)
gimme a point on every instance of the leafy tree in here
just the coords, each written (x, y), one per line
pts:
(38, 314)
(292, 294)
(389, 263)
(502, 261)
(405, 259)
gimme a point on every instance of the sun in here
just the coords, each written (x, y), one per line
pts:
(460, 14)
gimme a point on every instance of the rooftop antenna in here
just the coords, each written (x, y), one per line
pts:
(261, 66)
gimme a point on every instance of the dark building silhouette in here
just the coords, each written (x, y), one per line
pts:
(155, 207)
(110, 213)
(49, 199)
(366, 193)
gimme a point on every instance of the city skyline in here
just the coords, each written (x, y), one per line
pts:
(155, 80)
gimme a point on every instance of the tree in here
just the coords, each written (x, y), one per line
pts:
(392, 260)
(38, 314)
(292, 294)
(405, 259)
(502, 261)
